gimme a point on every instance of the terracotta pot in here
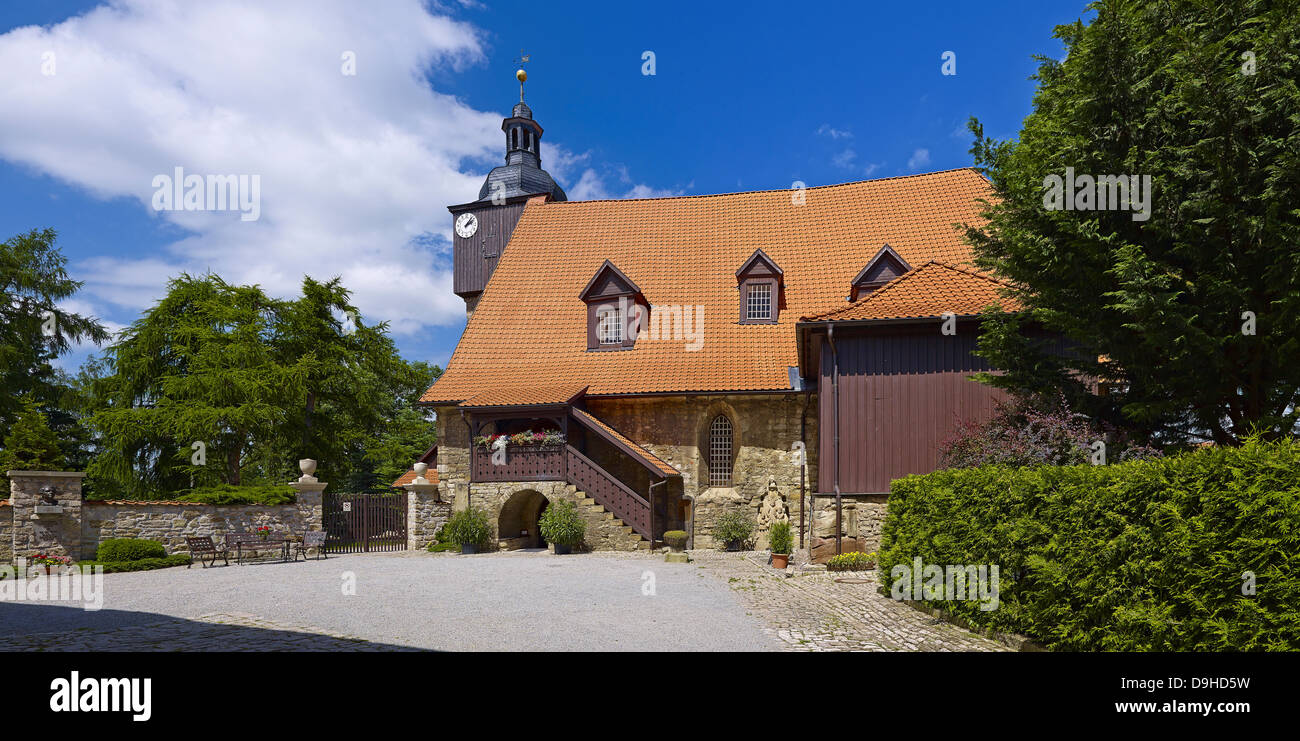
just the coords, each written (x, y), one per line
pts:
(780, 560)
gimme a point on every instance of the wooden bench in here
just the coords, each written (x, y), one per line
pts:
(206, 551)
(252, 542)
(310, 539)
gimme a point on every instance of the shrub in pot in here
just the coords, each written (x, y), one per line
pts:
(675, 540)
(469, 529)
(562, 526)
(734, 529)
(782, 543)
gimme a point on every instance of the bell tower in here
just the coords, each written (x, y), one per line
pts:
(483, 226)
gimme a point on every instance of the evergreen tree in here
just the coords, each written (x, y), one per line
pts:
(1191, 314)
(30, 445)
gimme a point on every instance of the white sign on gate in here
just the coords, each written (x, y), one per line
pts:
(347, 506)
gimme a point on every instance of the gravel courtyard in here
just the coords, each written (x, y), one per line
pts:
(521, 601)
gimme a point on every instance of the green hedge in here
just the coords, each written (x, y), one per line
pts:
(143, 564)
(269, 494)
(1142, 556)
(129, 549)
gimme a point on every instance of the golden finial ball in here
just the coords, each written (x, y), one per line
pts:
(521, 75)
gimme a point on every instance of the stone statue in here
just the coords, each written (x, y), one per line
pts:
(773, 509)
(47, 495)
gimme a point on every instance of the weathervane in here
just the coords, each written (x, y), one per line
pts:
(520, 74)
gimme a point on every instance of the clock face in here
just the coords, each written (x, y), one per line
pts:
(466, 225)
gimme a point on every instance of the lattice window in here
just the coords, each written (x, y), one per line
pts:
(759, 305)
(609, 329)
(720, 451)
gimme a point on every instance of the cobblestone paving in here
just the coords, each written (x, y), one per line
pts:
(813, 612)
(216, 632)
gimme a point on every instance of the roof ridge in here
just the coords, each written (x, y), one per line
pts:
(767, 190)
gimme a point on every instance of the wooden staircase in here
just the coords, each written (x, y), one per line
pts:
(605, 531)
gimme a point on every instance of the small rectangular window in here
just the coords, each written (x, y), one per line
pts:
(759, 305)
(609, 329)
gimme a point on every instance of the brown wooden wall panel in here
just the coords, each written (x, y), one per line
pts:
(475, 258)
(901, 393)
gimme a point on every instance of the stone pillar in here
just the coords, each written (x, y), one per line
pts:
(46, 513)
(420, 498)
(310, 495)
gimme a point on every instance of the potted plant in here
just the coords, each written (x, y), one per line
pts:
(469, 529)
(264, 532)
(50, 564)
(734, 529)
(782, 543)
(562, 526)
(675, 540)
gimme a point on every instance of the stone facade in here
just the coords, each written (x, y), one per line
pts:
(604, 531)
(425, 515)
(766, 428)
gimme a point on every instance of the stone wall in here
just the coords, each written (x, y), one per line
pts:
(46, 513)
(861, 519)
(6, 532)
(171, 523)
(31, 526)
(425, 514)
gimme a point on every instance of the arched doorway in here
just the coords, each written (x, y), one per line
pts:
(517, 525)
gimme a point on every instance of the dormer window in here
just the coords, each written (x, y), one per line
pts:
(616, 310)
(884, 267)
(761, 283)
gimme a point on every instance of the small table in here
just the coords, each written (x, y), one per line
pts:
(261, 545)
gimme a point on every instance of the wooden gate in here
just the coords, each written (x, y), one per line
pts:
(364, 523)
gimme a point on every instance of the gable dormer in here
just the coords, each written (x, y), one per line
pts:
(761, 283)
(884, 267)
(616, 309)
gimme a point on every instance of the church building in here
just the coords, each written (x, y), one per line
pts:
(784, 354)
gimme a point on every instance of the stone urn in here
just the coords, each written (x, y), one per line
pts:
(308, 467)
(421, 469)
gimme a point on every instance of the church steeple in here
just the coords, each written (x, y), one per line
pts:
(522, 174)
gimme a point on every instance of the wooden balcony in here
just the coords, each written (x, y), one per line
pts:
(522, 463)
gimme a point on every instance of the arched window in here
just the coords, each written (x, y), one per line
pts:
(720, 451)
(514, 138)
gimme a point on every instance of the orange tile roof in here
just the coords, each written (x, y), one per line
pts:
(654, 460)
(529, 327)
(507, 396)
(431, 476)
(931, 290)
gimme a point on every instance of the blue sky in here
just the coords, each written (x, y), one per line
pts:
(357, 170)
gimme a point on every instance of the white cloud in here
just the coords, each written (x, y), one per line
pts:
(920, 158)
(845, 158)
(593, 185)
(834, 133)
(355, 171)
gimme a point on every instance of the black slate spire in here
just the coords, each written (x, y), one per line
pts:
(522, 174)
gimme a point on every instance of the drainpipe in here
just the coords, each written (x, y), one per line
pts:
(651, 492)
(803, 466)
(468, 481)
(835, 388)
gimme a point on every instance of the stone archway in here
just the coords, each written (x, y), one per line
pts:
(517, 523)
